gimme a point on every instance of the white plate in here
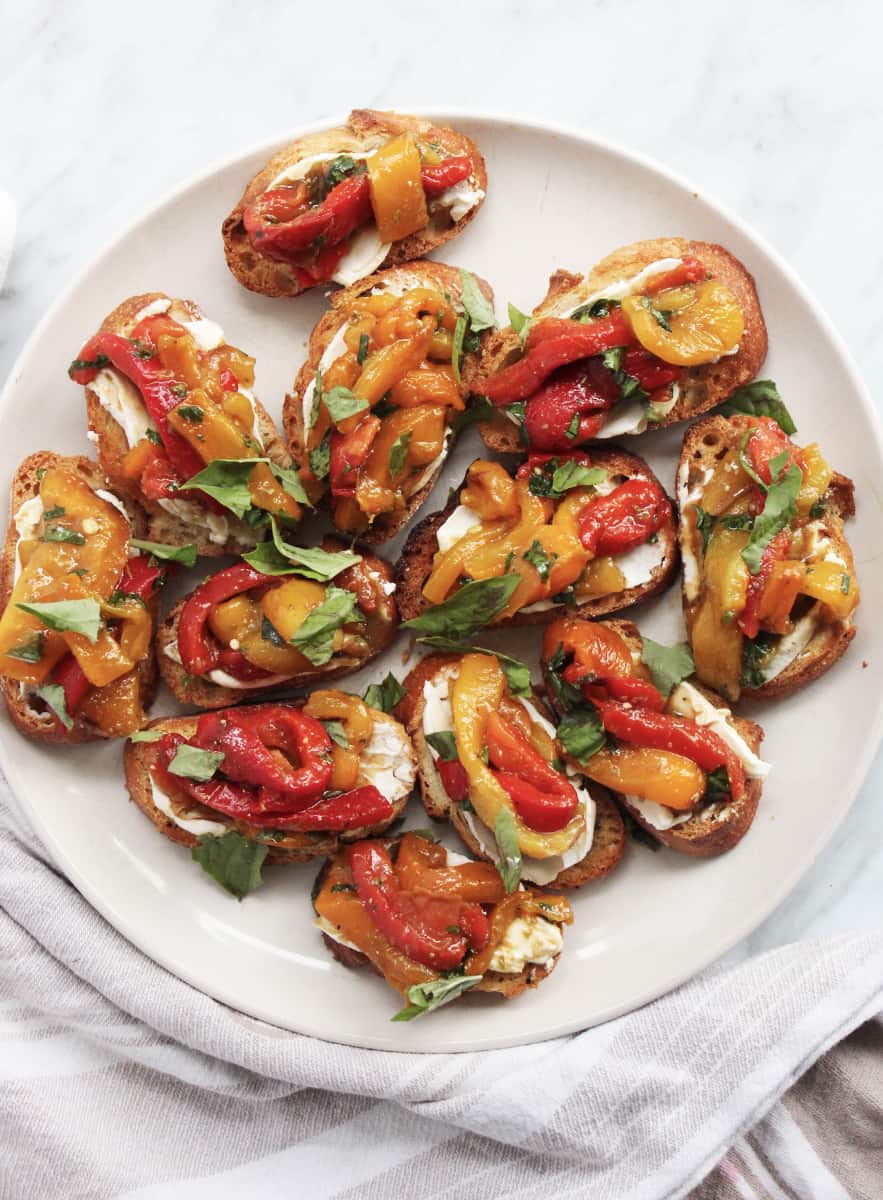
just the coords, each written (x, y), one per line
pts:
(556, 199)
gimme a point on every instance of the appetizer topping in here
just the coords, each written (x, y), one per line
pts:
(432, 923)
(766, 565)
(378, 414)
(635, 726)
(77, 623)
(564, 530)
(631, 344)
(193, 407)
(308, 215)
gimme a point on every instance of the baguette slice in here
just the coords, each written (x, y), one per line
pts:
(112, 445)
(704, 445)
(39, 722)
(699, 388)
(399, 279)
(202, 693)
(609, 838)
(293, 847)
(415, 562)
(366, 129)
(506, 985)
(714, 828)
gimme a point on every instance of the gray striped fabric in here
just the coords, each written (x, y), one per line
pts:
(116, 1079)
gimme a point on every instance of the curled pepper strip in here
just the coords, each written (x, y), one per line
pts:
(777, 550)
(349, 452)
(586, 389)
(542, 797)
(689, 270)
(626, 517)
(343, 210)
(440, 176)
(198, 654)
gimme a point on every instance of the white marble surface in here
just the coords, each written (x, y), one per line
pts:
(774, 110)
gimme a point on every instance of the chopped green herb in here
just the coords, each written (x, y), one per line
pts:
(424, 997)
(30, 651)
(539, 560)
(398, 453)
(760, 399)
(232, 861)
(53, 695)
(315, 637)
(384, 695)
(444, 744)
(581, 734)
(659, 315)
(342, 403)
(478, 308)
(362, 352)
(337, 732)
(59, 533)
(75, 616)
(469, 609)
(669, 665)
(509, 863)
(181, 554)
(192, 763)
(190, 412)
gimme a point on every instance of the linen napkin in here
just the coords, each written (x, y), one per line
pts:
(120, 1080)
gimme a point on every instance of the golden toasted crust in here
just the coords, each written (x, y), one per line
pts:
(138, 758)
(715, 828)
(202, 693)
(608, 842)
(366, 129)
(415, 561)
(414, 274)
(705, 443)
(25, 485)
(112, 446)
(699, 388)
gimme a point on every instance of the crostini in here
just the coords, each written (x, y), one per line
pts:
(588, 530)
(669, 750)
(170, 403)
(79, 592)
(434, 924)
(489, 761)
(246, 632)
(377, 403)
(769, 583)
(658, 332)
(294, 780)
(338, 205)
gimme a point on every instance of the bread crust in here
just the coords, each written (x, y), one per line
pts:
(42, 726)
(365, 130)
(295, 847)
(608, 842)
(202, 693)
(415, 562)
(700, 388)
(414, 274)
(112, 445)
(704, 444)
(700, 836)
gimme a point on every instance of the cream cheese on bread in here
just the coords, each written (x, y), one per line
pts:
(198, 826)
(389, 761)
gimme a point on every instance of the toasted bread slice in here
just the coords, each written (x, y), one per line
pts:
(699, 388)
(112, 446)
(366, 130)
(29, 714)
(415, 562)
(608, 842)
(713, 828)
(373, 572)
(284, 846)
(705, 444)
(398, 279)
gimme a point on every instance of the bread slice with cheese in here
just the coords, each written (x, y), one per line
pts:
(655, 563)
(118, 419)
(699, 388)
(31, 715)
(365, 131)
(606, 836)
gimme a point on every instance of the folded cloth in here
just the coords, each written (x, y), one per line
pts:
(120, 1080)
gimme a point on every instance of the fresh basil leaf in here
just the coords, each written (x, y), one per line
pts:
(572, 474)
(845, 584)
(705, 523)
(310, 562)
(517, 673)
(567, 694)
(479, 410)
(572, 429)
(398, 453)
(317, 399)
(320, 458)
(146, 735)
(668, 664)
(232, 861)
(444, 744)
(192, 763)
(737, 521)
(181, 554)
(779, 507)
(516, 412)
(457, 345)
(190, 412)
(87, 364)
(659, 315)
(364, 342)
(52, 514)
(60, 533)
(469, 609)
(74, 616)
(384, 695)
(717, 785)
(315, 638)
(478, 308)
(760, 399)
(539, 560)
(745, 461)
(637, 832)
(341, 403)
(29, 652)
(53, 694)
(509, 863)
(594, 311)
(520, 322)
(755, 652)
(424, 997)
(226, 480)
(342, 167)
(581, 733)
(337, 732)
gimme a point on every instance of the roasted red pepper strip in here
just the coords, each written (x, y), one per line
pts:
(159, 479)
(69, 674)
(141, 577)
(228, 379)
(322, 267)
(554, 343)
(358, 809)
(344, 209)
(662, 731)
(638, 692)
(767, 441)
(748, 619)
(198, 653)
(234, 663)
(544, 799)
(586, 389)
(454, 777)
(651, 372)
(689, 270)
(435, 931)
(438, 177)
(625, 518)
(349, 452)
